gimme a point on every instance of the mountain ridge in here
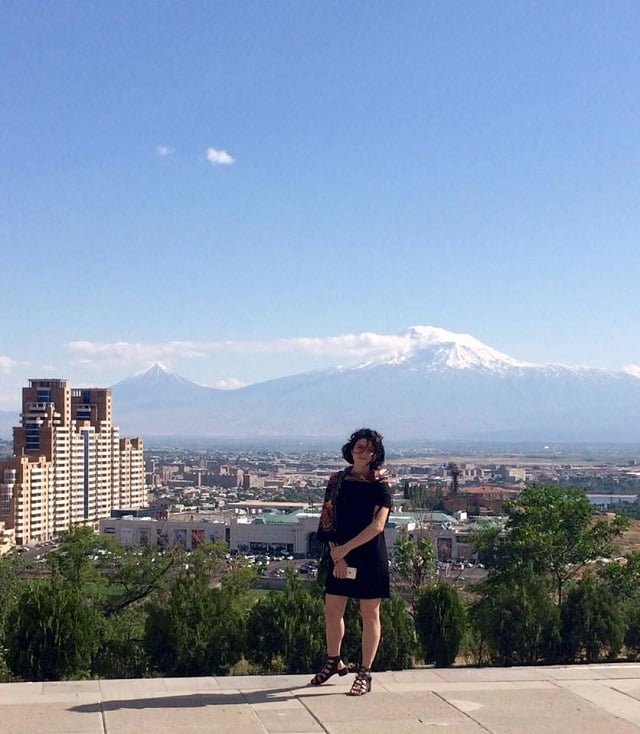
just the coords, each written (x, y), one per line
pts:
(426, 384)
(434, 384)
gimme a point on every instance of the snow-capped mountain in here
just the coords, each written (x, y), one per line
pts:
(158, 382)
(433, 384)
(431, 348)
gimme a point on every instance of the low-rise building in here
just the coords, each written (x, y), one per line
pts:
(291, 533)
(185, 531)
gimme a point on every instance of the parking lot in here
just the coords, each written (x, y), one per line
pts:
(276, 566)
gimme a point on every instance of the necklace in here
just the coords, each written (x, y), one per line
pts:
(361, 477)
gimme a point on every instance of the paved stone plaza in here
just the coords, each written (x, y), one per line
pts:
(590, 699)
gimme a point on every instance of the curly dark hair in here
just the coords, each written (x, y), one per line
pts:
(376, 441)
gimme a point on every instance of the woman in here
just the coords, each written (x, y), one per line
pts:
(354, 513)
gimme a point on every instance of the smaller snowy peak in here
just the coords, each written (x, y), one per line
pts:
(633, 370)
(160, 373)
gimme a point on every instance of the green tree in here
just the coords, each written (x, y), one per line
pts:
(197, 627)
(414, 563)
(550, 537)
(632, 632)
(592, 622)
(423, 497)
(622, 577)
(112, 576)
(114, 582)
(552, 530)
(120, 652)
(11, 586)
(51, 632)
(441, 620)
(285, 630)
(515, 621)
(74, 560)
(398, 642)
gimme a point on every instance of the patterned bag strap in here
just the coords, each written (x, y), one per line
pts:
(327, 523)
(338, 483)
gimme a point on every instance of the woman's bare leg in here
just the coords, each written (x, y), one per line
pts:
(371, 631)
(334, 608)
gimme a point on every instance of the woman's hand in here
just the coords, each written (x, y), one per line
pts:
(340, 569)
(338, 552)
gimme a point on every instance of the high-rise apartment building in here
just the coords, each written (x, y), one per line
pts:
(69, 465)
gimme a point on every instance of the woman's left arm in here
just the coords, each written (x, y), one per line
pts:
(375, 527)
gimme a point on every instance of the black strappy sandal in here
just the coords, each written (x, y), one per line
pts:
(328, 669)
(362, 683)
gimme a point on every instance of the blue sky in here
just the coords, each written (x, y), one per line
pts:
(242, 189)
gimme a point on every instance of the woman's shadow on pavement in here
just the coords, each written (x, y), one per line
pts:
(194, 700)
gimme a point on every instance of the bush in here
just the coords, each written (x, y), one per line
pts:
(51, 633)
(632, 634)
(398, 643)
(285, 631)
(122, 653)
(441, 621)
(516, 622)
(195, 629)
(593, 626)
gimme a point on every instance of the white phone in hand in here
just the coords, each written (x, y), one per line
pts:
(351, 572)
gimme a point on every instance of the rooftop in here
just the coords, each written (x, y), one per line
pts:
(588, 699)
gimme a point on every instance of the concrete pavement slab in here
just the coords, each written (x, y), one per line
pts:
(618, 670)
(586, 699)
(119, 689)
(384, 706)
(40, 695)
(477, 675)
(501, 685)
(594, 672)
(629, 687)
(546, 710)
(20, 692)
(611, 696)
(404, 727)
(277, 698)
(204, 683)
(48, 718)
(235, 719)
(288, 721)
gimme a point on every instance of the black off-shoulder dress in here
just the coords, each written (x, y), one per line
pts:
(355, 506)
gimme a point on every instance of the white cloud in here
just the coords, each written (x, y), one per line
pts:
(633, 369)
(219, 157)
(350, 347)
(347, 346)
(164, 150)
(89, 354)
(7, 364)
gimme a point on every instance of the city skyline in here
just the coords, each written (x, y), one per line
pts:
(246, 191)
